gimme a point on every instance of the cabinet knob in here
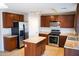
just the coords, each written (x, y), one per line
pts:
(25, 45)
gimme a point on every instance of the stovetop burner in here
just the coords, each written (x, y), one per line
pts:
(55, 32)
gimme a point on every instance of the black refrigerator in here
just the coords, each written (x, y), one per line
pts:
(19, 30)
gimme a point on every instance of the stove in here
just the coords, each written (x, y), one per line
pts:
(53, 37)
(54, 32)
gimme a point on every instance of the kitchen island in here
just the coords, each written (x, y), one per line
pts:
(34, 46)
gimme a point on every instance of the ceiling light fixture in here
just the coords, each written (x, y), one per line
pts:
(3, 6)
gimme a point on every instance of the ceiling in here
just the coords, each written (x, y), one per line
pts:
(43, 8)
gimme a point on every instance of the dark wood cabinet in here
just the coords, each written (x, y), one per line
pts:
(66, 21)
(8, 19)
(45, 21)
(16, 17)
(21, 17)
(54, 18)
(45, 35)
(71, 52)
(32, 49)
(62, 40)
(10, 43)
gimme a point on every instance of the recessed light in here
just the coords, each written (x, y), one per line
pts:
(63, 8)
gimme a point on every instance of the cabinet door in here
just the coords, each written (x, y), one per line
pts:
(54, 18)
(10, 43)
(66, 21)
(7, 20)
(45, 35)
(21, 17)
(45, 21)
(39, 50)
(16, 17)
(13, 43)
(62, 40)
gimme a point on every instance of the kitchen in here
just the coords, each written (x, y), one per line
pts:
(44, 26)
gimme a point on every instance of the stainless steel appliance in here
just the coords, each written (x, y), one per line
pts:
(53, 38)
(19, 30)
(55, 25)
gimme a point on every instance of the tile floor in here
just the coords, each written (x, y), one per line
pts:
(50, 51)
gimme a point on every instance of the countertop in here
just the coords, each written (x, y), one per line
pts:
(10, 36)
(34, 39)
(44, 33)
(61, 34)
(72, 44)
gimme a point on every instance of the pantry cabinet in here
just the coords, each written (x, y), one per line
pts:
(9, 18)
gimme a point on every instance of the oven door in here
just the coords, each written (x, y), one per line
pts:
(53, 40)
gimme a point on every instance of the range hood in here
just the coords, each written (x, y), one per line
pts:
(54, 23)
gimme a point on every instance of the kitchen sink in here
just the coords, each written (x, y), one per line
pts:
(72, 42)
(73, 38)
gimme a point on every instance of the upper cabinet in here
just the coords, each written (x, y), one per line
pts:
(54, 18)
(9, 18)
(45, 21)
(66, 21)
(16, 17)
(21, 17)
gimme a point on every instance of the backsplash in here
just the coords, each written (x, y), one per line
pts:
(63, 30)
(6, 31)
(45, 29)
(67, 30)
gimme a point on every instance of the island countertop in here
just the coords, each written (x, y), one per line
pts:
(34, 39)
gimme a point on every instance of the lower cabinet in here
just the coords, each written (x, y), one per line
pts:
(45, 35)
(71, 52)
(32, 49)
(10, 43)
(62, 40)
